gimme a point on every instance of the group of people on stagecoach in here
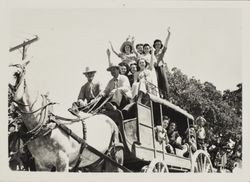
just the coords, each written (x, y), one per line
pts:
(194, 137)
(141, 69)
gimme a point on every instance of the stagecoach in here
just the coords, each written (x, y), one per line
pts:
(142, 152)
(136, 123)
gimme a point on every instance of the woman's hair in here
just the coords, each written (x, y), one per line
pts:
(157, 40)
(165, 117)
(137, 67)
(144, 61)
(123, 48)
(145, 45)
(126, 65)
(137, 45)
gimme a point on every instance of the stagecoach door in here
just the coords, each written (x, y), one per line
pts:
(145, 126)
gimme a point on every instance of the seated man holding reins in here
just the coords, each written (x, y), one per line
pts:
(88, 92)
(118, 88)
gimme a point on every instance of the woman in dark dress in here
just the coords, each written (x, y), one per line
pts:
(161, 66)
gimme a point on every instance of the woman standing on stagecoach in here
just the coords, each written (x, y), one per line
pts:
(144, 77)
(150, 58)
(161, 66)
(126, 54)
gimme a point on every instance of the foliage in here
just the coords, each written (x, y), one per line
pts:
(222, 111)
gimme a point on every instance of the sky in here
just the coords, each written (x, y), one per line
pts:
(204, 43)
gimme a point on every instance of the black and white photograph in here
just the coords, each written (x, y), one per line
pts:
(125, 89)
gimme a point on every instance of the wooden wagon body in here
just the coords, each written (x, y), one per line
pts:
(141, 148)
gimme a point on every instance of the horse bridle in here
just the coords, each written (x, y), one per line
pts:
(13, 90)
(20, 78)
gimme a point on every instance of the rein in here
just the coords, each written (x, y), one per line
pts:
(104, 102)
(41, 108)
(53, 117)
(42, 121)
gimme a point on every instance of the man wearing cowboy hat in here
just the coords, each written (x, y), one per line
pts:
(88, 91)
(118, 87)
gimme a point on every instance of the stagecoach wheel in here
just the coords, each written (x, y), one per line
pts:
(144, 169)
(201, 162)
(157, 166)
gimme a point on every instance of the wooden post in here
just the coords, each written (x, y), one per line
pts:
(24, 52)
(23, 46)
(153, 123)
(163, 143)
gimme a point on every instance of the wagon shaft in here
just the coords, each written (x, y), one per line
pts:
(89, 147)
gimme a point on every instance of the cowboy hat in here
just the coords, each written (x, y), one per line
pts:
(112, 65)
(200, 119)
(89, 70)
(122, 49)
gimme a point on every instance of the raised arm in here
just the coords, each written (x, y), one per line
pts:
(112, 48)
(164, 48)
(108, 54)
(133, 46)
(167, 39)
(151, 64)
(127, 39)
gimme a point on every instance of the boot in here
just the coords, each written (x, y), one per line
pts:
(75, 112)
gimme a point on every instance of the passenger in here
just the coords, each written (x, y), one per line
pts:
(161, 66)
(174, 139)
(88, 92)
(138, 51)
(161, 131)
(200, 132)
(118, 88)
(132, 70)
(126, 52)
(148, 55)
(147, 51)
(139, 48)
(124, 68)
(143, 79)
(190, 140)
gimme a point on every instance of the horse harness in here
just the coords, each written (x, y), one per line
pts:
(46, 125)
(108, 155)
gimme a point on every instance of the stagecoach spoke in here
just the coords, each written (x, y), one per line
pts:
(162, 168)
(198, 164)
(205, 164)
(196, 168)
(205, 168)
(201, 162)
(157, 166)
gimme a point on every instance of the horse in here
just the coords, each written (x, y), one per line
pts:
(55, 149)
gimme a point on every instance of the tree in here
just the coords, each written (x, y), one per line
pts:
(223, 111)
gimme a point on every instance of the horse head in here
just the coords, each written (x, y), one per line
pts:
(17, 81)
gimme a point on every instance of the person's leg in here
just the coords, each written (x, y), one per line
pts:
(74, 109)
(125, 101)
(162, 81)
